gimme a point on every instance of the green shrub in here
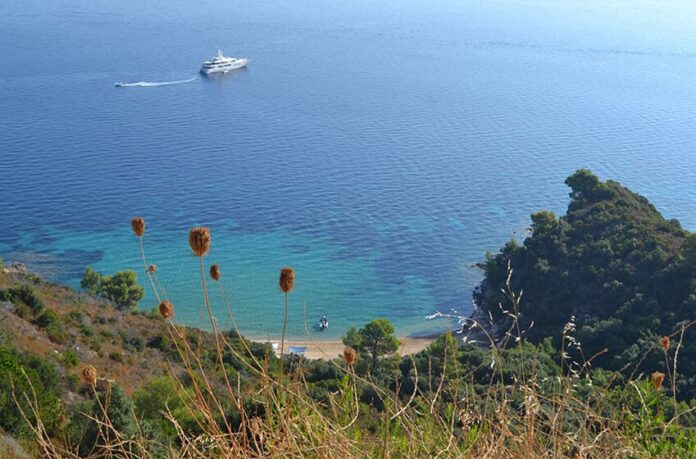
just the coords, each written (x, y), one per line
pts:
(159, 395)
(44, 381)
(91, 281)
(86, 330)
(121, 288)
(71, 359)
(47, 318)
(76, 315)
(52, 324)
(56, 333)
(89, 434)
(23, 294)
(116, 356)
(30, 297)
(160, 341)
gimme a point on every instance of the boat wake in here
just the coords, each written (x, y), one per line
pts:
(151, 84)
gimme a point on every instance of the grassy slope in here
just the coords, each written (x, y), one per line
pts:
(108, 348)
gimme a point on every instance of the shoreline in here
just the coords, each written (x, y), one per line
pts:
(328, 349)
(321, 348)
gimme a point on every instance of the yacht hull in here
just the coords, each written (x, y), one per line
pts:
(227, 68)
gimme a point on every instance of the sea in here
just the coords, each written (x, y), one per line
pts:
(378, 148)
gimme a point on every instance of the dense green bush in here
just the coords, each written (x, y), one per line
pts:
(161, 395)
(121, 288)
(614, 266)
(47, 318)
(27, 375)
(91, 281)
(88, 434)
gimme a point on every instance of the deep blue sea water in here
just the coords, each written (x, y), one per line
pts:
(379, 148)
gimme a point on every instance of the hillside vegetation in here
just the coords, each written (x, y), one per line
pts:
(613, 265)
(88, 375)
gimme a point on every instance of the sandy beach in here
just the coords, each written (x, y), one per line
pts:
(330, 349)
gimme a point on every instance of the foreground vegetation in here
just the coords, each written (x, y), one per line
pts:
(625, 274)
(521, 390)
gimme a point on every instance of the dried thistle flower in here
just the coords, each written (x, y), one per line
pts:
(215, 272)
(138, 224)
(664, 343)
(287, 279)
(199, 240)
(166, 309)
(256, 428)
(89, 375)
(657, 379)
(350, 355)
(152, 268)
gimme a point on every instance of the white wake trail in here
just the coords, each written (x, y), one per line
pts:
(150, 84)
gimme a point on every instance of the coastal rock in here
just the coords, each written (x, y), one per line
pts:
(7, 306)
(85, 354)
(15, 268)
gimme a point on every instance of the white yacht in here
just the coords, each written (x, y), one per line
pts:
(222, 64)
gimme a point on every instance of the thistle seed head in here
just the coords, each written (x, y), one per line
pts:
(138, 224)
(89, 375)
(664, 343)
(350, 355)
(166, 309)
(215, 272)
(199, 240)
(657, 379)
(287, 279)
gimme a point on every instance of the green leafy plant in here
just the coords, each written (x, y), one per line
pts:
(70, 358)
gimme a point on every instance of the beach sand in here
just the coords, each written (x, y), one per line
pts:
(330, 349)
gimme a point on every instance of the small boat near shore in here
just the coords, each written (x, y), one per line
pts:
(223, 64)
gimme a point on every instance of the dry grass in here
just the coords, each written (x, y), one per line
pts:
(451, 419)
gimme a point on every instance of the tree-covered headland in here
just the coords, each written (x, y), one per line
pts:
(615, 268)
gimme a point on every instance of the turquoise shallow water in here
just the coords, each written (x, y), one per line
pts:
(379, 149)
